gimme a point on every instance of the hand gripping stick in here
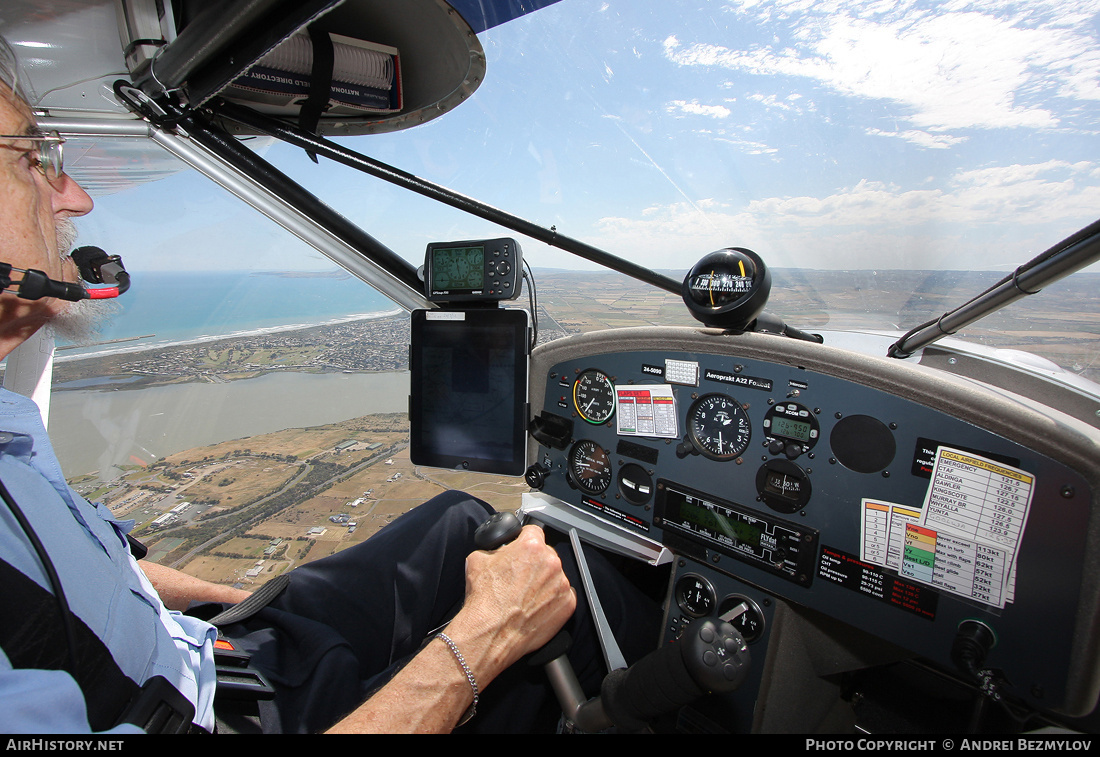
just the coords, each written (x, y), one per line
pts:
(710, 656)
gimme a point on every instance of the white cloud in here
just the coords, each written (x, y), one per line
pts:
(960, 66)
(920, 138)
(1017, 174)
(694, 107)
(877, 224)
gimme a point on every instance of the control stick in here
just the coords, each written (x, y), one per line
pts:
(709, 657)
(500, 529)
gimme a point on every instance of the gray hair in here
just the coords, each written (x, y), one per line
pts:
(9, 70)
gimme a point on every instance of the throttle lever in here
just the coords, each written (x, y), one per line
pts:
(709, 657)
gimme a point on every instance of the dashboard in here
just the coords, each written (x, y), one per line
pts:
(844, 513)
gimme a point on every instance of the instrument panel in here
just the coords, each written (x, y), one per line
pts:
(894, 500)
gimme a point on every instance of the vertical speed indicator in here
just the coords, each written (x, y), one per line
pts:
(594, 396)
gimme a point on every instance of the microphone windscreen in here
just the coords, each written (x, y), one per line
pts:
(84, 257)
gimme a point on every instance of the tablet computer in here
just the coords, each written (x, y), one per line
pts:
(468, 389)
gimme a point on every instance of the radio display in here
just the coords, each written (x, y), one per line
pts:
(790, 429)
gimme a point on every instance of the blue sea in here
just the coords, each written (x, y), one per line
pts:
(166, 308)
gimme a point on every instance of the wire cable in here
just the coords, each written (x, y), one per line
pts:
(532, 297)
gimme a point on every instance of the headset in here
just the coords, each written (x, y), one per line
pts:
(96, 267)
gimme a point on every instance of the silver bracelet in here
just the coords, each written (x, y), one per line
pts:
(472, 709)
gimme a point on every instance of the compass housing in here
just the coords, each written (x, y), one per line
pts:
(728, 288)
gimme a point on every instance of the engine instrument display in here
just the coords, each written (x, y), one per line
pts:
(775, 545)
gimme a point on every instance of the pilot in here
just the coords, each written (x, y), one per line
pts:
(413, 630)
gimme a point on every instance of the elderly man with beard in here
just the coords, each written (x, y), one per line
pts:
(402, 633)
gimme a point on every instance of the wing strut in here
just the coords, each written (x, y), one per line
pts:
(1068, 256)
(321, 146)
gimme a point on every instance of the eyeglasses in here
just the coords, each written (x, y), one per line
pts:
(49, 161)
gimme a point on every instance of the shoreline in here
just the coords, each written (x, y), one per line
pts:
(204, 339)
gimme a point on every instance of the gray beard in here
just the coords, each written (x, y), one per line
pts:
(66, 236)
(81, 321)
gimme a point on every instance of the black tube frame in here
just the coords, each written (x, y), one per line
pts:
(1068, 256)
(321, 146)
(222, 42)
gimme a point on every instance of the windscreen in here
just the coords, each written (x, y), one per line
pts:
(887, 161)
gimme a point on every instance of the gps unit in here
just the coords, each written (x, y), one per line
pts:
(471, 271)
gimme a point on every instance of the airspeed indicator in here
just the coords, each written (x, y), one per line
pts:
(594, 396)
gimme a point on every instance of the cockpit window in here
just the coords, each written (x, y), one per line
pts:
(888, 161)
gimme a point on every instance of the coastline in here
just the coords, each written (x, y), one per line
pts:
(358, 343)
(208, 338)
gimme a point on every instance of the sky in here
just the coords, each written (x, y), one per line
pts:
(822, 134)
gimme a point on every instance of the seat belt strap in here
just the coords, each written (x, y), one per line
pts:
(320, 86)
(255, 602)
(32, 636)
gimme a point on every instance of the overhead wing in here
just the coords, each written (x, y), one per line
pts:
(485, 14)
(73, 54)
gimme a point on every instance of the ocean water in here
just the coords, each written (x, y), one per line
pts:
(166, 308)
(102, 427)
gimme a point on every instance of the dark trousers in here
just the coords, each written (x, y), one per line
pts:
(347, 623)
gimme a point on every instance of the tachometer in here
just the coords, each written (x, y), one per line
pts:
(590, 467)
(594, 396)
(718, 427)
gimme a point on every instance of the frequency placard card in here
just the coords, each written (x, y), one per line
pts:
(965, 538)
(973, 520)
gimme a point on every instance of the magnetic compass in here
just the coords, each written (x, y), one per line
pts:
(728, 288)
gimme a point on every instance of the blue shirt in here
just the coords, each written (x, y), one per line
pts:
(103, 585)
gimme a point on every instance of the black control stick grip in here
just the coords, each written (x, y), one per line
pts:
(709, 657)
(500, 529)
